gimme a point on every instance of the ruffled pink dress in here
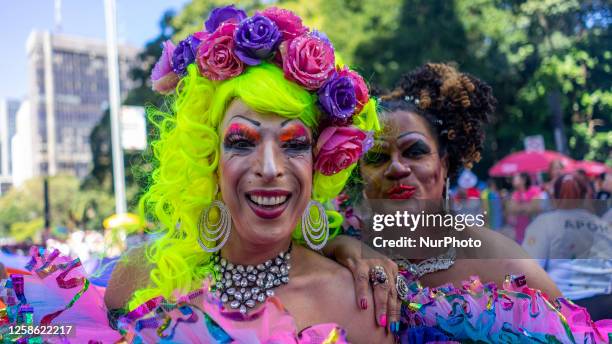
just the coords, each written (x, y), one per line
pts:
(514, 313)
(57, 293)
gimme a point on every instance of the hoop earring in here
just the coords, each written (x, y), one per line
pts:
(447, 194)
(212, 232)
(315, 230)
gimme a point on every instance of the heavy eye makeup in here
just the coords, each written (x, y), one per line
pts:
(240, 137)
(378, 155)
(295, 139)
(415, 149)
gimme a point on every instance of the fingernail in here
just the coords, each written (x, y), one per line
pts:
(396, 325)
(363, 303)
(383, 320)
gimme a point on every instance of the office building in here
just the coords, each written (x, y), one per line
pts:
(68, 94)
(8, 117)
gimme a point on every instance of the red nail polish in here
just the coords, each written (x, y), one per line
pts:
(364, 303)
(383, 320)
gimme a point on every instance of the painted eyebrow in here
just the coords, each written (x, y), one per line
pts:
(248, 119)
(408, 133)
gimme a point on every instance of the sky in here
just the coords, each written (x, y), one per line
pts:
(137, 23)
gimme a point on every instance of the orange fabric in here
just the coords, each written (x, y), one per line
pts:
(10, 271)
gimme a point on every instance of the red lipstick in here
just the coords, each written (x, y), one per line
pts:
(268, 204)
(401, 192)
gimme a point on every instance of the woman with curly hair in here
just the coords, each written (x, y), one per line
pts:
(433, 125)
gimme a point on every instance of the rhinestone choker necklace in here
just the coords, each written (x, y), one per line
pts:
(245, 286)
(427, 266)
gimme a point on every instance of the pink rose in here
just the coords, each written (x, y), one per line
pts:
(361, 90)
(216, 58)
(337, 148)
(163, 77)
(201, 35)
(288, 22)
(307, 60)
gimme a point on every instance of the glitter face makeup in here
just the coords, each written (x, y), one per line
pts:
(294, 137)
(265, 174)
(239, 136)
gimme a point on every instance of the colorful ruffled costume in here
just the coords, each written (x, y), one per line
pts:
(57, 293)
(513, 314)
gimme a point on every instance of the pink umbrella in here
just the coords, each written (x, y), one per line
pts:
(592, 168)
(529, 162)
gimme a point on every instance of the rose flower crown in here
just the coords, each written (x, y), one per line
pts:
(231, 41)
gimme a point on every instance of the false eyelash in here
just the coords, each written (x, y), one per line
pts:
(233, 140)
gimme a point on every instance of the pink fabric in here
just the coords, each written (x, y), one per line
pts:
(269, 324)
(49, 290)
(475, 311)
(528, 162)
(482, 311)
(522, 221)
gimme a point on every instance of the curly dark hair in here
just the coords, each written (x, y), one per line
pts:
(456, 105)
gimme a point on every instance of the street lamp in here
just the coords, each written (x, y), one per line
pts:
(110, 10)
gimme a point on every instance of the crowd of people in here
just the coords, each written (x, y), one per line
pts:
(264, 132)
(564, 223)
(512, 203)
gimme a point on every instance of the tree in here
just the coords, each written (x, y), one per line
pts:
(22, 209)
(547, 61)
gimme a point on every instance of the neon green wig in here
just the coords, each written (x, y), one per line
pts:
(187, 153)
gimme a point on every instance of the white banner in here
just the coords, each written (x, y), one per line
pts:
(133, 128)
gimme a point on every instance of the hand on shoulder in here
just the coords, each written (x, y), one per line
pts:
(333, 288)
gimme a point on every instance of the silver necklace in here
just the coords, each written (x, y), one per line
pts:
(429, 265)
(245, 286)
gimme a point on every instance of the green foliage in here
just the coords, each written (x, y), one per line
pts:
(31, 230)
(22, 208)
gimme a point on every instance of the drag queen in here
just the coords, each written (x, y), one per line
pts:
(262, 130)
(433, 125)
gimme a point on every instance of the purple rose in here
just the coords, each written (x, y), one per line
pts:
(223, 14)
(256, 39)
(185, 54)
(163, 78)
(337, 97)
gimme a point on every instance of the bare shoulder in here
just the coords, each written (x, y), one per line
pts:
(496, 245)
(335, 290)
(130, 274)
(501, 256)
